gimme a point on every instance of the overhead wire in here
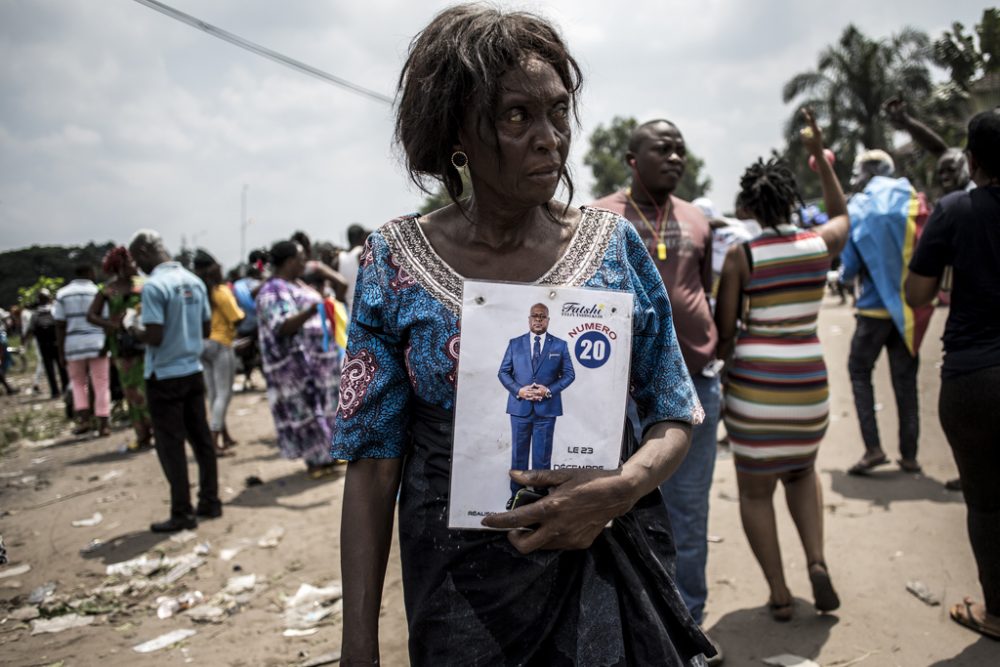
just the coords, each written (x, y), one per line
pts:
(263, 51)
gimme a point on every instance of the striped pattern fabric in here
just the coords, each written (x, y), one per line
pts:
(777, 399)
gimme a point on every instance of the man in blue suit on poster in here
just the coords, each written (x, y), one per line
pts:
(536, 369)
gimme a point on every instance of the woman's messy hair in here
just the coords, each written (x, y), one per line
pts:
(453, 69)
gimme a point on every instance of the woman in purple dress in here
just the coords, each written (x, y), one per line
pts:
(303, 374)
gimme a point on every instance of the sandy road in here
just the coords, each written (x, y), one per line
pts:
(881, 532)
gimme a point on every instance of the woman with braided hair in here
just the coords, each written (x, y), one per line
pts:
(776, 387)
(114, 299)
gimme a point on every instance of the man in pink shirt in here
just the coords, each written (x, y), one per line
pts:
(679, 239)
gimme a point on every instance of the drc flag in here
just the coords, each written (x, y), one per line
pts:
(886, 221)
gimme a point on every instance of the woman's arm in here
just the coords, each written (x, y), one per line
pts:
(94, 314)
(834, 232)
(294, 322)
(336, 279)
(734, 276)
(581, 502)
(365, 536)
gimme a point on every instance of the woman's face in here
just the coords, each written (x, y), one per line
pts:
(532, 122)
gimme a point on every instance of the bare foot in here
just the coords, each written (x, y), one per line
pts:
(973, 616)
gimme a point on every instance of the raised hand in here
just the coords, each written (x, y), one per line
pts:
(812, 136)
(895, 110)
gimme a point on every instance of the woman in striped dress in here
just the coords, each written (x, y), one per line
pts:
(776, 388)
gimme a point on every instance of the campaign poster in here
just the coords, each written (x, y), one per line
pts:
(542, 384)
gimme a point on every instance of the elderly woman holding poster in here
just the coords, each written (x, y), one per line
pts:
(494, 94)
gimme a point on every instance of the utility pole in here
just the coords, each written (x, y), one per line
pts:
(243, 229)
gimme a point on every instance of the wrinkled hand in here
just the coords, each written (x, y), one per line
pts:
(895, 110)
(579, 505)
(812, 136)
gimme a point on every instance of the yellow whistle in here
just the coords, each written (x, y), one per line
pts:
(661, 250)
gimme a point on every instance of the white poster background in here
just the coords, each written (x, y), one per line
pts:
(589, 432)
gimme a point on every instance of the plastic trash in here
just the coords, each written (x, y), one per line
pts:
(59, 623)
(24, 614)
(310, 605)
(271, 538)
(38, 595)
(242, 584)
(183, 565)
(15, 571)
(145, 565)
(163, 641)
(292, 632)
(92, 546)
(203, 548)
(168, 606)
(87, 523)
(308, 594)
(183, 537)
(140, 565)
(789, 660)
(920, 589)
(320, 660)
(207, 613)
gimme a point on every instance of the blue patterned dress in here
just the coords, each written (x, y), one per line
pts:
(471, 599)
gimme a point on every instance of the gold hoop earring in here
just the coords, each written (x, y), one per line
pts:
(459, 160)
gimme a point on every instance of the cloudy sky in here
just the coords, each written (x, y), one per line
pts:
(114, 117)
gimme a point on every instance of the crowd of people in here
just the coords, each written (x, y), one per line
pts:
(359, 349)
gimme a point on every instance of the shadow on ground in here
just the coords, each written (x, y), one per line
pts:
(272, 491)
(109, 457)
(883, 488)
(747, 636)
(986, 651)
(124, 547)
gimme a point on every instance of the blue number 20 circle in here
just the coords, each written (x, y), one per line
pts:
(593, 349)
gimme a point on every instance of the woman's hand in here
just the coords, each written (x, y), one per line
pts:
(579, 505)
(812, 136)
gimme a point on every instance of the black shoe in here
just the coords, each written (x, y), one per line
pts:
(719, 656)
(174, 524)
(213, 511)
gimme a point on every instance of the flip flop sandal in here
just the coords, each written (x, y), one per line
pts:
(969, 621)
(863, 467)
(909, 466)
(780, 612)
(825, 597)
(223, 452)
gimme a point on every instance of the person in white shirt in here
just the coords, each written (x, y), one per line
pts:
(81, 349)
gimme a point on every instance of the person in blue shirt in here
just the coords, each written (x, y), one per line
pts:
(175, 318)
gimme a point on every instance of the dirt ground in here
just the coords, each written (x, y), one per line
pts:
(882, 532)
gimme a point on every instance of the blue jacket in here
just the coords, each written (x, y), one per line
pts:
(555, 371)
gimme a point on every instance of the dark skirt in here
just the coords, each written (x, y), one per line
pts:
(472, 599)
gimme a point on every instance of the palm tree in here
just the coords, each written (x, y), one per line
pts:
(851, 81)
